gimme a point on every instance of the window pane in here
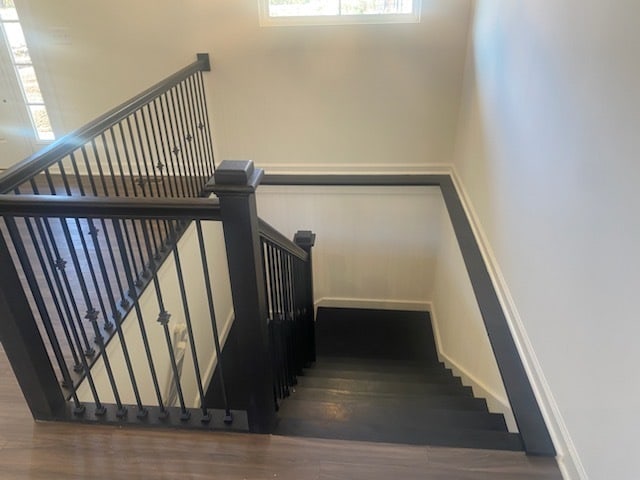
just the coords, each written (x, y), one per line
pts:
(41, 121)
(30, 85)
(303, 8)
(17, 43)
(8, 10)
(376, 7)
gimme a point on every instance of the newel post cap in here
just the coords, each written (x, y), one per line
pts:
(305, 239)
(235, 176)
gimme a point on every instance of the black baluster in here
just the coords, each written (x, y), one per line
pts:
(178, 149)
(163, 319)
(228, 418)
(206, 417)
(142, 412)
(188, 139)
(165, 166)
(67, 382)
(193, 125)
(173, 151)
(205, 116)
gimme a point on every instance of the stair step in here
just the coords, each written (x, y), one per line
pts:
(455, 437)
(447, 401)
(437, 376)
(377, 386)
(378, 365)
(399, 413)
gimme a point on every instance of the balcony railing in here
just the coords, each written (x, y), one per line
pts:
(122, 280)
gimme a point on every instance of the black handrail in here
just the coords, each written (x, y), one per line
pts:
(110, 207)
(46, 157)
(269, 233)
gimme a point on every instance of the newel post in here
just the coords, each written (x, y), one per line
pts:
(24, 346)
(306, 239)
(235, 183)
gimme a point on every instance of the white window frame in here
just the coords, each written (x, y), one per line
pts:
(39, 138)
(268, 21)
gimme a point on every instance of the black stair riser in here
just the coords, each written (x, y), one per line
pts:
(377, 365)
(372, 386)
(458, 437)
(435, 377)
(399, 414)
(449, 402)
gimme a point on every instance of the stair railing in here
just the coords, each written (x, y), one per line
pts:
(288, 282)
(155, 145)
(86, 226)
(271, 280)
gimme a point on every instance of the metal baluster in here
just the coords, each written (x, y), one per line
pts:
(67, 382)
(206, 417)
(140, 115)
(201, 126)
(122, 411)
(130, 250)
(190, 107)
(116, 270)
(22, 255)
(183, 143)
(163, 241)
(55, 298)
(93, 231)
(179, 181)
(142, 412)
(143, 271)
(160, 140)
(228, 418)
(281, 321)
(163, 319)
(178, 150)
(142, 183)
(268, 258)
(60, 265)
(205, 115)
(189, 140)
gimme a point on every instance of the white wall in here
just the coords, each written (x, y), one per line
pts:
(331, 96)
(200, 319)
(461, 337)
(547, 154)
(375, 246)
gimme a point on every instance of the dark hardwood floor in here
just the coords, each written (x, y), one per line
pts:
(30, 450)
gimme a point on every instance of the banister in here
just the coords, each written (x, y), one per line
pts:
(44, 158)
(274, 236)
(109, 207)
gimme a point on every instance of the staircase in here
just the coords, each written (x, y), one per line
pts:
(377, 378)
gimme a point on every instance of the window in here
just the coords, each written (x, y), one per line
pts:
(332, 12)
(25, 73)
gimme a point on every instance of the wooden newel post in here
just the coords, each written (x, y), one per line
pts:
(24, 346)
(235, 183)
(306, 239)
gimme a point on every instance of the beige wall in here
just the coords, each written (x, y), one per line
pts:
(336, 95)
(548, 155)
(375, 247)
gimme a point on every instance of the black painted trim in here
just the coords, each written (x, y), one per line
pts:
(354, 180)
(524, 405)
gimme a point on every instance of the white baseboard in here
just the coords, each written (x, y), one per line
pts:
(408, 305)
(496, 402)
(567, 455)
